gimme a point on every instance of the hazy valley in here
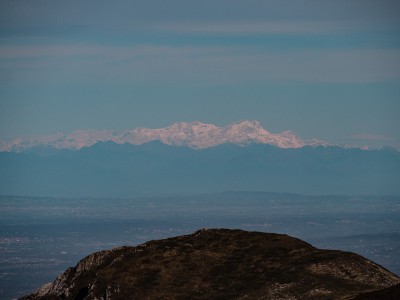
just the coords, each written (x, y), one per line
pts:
(41, 237)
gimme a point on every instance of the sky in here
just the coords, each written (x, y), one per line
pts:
(324, 69)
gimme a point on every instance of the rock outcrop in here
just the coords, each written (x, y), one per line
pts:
(221, 264)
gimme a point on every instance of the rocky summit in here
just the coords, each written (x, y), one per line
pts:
(223, 264)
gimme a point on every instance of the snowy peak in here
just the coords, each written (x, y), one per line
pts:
(199, 135)
(75, 140)
(196, 135)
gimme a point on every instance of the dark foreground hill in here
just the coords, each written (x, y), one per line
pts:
(223, 264)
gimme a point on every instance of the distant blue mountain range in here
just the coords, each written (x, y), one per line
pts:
(107, 169)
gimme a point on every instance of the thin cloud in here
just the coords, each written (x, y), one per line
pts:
(205, 65)
(263, 27)
(60, 51)
(371, 137)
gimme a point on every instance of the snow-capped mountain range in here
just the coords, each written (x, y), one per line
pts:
(195, 135)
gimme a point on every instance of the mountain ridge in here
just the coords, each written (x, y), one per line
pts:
(195, 135)
(110, 169)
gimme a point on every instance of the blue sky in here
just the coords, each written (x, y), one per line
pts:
(326, 69)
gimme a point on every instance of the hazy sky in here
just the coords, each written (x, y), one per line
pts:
(326, 69)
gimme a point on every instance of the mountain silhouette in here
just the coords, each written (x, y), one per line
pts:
(108, 169)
